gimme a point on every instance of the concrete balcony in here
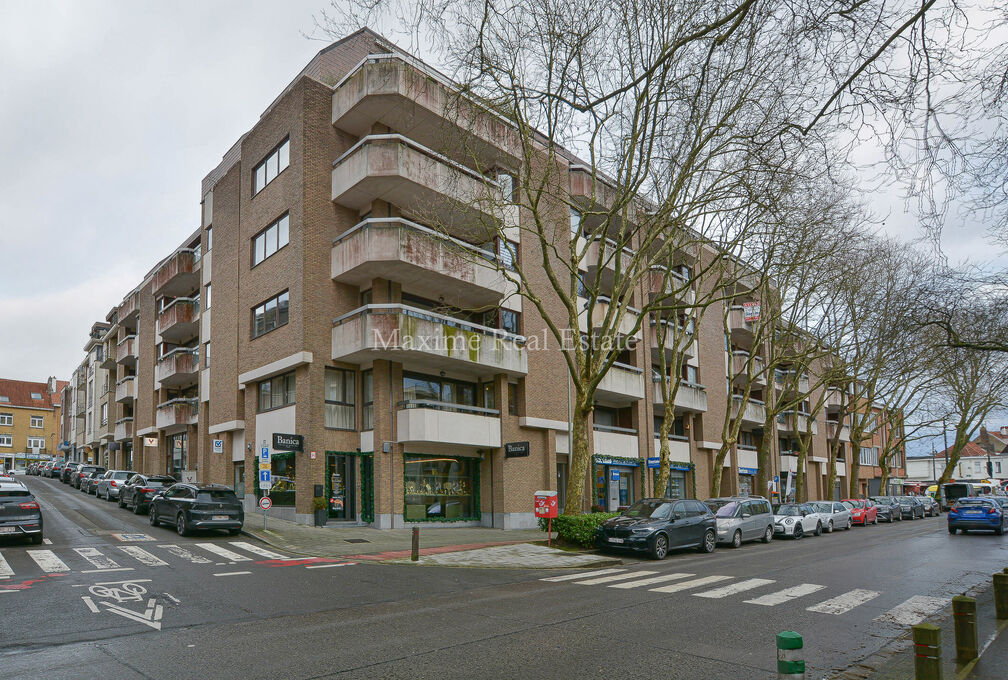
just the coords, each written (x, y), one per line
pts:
(600, 259)
(126, 351)
(753, 413)
(739, 325)
(177, 413)
(420, 181)
(670, 286)
(791, 382)
(130, 308)
(621, 384)
(428, 263)
(443, 423)
(689, 396)
(834, 399)
(178, 275)
(740, 359)
(178, 322)
(178, 368)
(679, 448)
(408, 96)
(792, 422)
(125, 391)
(746, 456)
(616, 441)
(598, 314)
(108, 355)
(834, 430)
(663, 339)
(123, 429)
(427, 341)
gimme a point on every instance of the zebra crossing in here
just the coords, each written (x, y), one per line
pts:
(27, 563)
(721, 586)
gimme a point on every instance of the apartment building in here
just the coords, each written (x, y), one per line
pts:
(30, 413)
(311, 309)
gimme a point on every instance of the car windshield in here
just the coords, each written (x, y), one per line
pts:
(972, 503)
(883, 500)
(727, 510)
(120, 475)
(822, 507)
(789, 511)
(715, 503)
(654, 509)
(216, 496)
(14, 493)
(855, 503)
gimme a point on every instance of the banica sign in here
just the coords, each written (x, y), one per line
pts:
(288, 442)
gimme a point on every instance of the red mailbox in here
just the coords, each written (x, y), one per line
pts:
(546, 504)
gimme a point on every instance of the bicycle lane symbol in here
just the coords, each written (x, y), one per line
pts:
(111, 596)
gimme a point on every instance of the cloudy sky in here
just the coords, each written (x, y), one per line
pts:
(112, 113)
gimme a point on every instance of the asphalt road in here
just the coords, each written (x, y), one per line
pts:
(205, 607)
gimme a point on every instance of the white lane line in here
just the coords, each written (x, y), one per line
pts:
(143, 556)
(8, 591)
(841, 604)
(47, 561)
(47, 541)
(914, 610)
(178, 551)
(233, 573)
(587, 574)
(786, 595)
(653, 579)
(103, 571)
(221, 551)
(686, 585)
(327, 566)
(90, 604)
(256, 550)
(5, 569)
(614, 577)
(736, 588)
(97, 558)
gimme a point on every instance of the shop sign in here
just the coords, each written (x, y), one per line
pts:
(614, 475)
(516, 449)
(751, 311)
(288, 442)
(150, 441)
(679, 467)
(218, 446)
(747, 471)
(625, 462)
(653, 462)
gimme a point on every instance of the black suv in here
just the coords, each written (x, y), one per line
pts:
(656, 525)
(20, 514)
(198, 506)
(138, 491)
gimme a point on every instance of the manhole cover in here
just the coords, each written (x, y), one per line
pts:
(356, 540)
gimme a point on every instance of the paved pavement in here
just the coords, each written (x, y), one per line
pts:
(518, 556)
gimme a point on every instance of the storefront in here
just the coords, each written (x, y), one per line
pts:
(440, 488)
(615, 482)
(283, 473)
(350, 486)
(747, 481)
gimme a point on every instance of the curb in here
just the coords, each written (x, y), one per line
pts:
(966, 670)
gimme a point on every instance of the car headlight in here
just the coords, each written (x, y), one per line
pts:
(789, 521)
(645, 530)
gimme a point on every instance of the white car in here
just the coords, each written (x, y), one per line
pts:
(796, 520)
(833, 515)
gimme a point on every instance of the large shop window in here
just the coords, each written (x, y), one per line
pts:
(440, 488)
(339, 399)
(276, 392)
(283, 475)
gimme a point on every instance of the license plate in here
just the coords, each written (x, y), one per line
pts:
(971, 512)
(615, 540)
(220, 518)
(7, 530)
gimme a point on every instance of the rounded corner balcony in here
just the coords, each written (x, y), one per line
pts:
(424, 183)
(431, 263)
(178, 368)
(426, 340)
(423, 420)
(689, 397)
(404, 95)
(178, 321)
(627, 322)
(123, 429)
(177, 414)
(178, 275)
(739, 325)
(835, 430)
(125, 391)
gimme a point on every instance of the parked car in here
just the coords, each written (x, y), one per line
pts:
(20, 514)
(78, 476)
(910, 507)
(56, 470)
(796, 520)
(43, 470)
(138, 491)
(742, 518)
(69, 471)
(888, 508)
(931, 507)
(657, 525)
(198, 506)
(834, 515)
(111, 483)
(863, 511)
(971, 513)
(86, 481)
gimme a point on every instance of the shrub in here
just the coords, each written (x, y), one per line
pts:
(578, 529)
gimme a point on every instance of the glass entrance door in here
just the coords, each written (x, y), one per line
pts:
(341, 486)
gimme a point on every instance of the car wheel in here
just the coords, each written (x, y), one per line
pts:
(121, 503)
(36, 539)
(736, 539)
(875, 521)
(952, 530)
(234, 532)
(829, 529)
(798, 533)
(152, 517)
(658, 551)
(768, 535)
(850, 523)
(999, 531)
(183, 530)
(709, 541)
(818, 529)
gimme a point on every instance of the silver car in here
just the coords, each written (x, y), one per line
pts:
(742, 518)
(833, 514)
(796, 520)
(111, 483)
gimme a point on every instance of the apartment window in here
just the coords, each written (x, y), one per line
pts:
(38, 395)
(997, 467)
(104, 414)
(512, 394)
(366, 297)
(36, 442)
(339, 399)
(427, 387)
(271, 166)
(6, 440)
(677, 429)
(367, 399)
(206, 355)
(209, 239)
(869, 455)
(691, 374)
(575, 223)
(271, 314)
(746, 439)
(4, 399)
(6, 419)
(507, 253)
(487, 389)
(276, 392)
(206, 297)
(271, 239)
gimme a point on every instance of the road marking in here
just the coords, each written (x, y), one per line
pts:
(90, 604)
(841, 604)
(5, 570)
(133, 537)
(686, 585)
(143, 556)
(571, 577)
(913, 610)
(786, 595)
(256, 550)
(95, 557)
(178, 551)
(7, 591)
(736, 588)
(326, 566)
(615, 577)
(47, 561)
(221, 551)
(653, 579)
(102, 571)
(47, 541)
(233, 573)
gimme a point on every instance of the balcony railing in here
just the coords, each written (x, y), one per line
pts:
(623, 383)
(178, 368)
(124, 429)
(125, 391)
(424, 420)
(126, 350)
(177, 412)
(740, 359)
(178, 275)
(790, 421)
(626, 324)
(129, 308)
(673, 284)
(689, 396)
(753, 411)
(834, 429)
(616, 441)
(687, 338)
(178, 321)
(738, 322)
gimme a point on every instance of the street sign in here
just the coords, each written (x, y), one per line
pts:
(265, 479)
(218, 446)
(288, 442)
(265, 503)
(265, 466)
(264, 455)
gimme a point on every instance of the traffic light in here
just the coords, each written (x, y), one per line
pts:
(990, 468)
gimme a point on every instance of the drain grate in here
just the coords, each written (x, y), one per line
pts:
(356, 540)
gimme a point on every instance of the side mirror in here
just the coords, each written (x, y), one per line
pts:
(746, 515)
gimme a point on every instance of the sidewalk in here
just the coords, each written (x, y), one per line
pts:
(993, 661)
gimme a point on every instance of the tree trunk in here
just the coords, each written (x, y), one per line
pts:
(663, 459)
(715, 480)
(580, 455)
(834, 449)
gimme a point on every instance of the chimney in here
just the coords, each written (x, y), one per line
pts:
(1004, 430)
(985, 440)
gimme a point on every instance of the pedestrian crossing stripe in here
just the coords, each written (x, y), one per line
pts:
(686, 585)
(786, 595)
(5, 570)
(914, 610)
(143, 556)
(653, 579)
(613, 577)
(841, 604)
(572, 577)
(735, 588)
(223, 552)
(47, 561)
(97, 558)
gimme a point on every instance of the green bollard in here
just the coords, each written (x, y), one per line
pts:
(1001, 596)
(790, 664)
(964, 615)
(927, 652)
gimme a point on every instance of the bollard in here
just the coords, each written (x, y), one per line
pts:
(927, 652)
(415, 555)
(1001, 595)
(964, 617)
(790, 664)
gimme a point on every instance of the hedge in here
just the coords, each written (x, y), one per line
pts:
(579, 529)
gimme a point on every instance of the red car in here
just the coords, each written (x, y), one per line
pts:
(862, 511)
